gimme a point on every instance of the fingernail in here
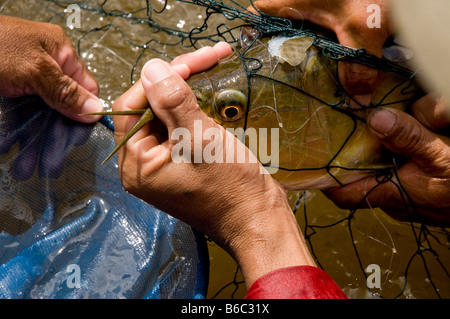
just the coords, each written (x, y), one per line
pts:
(383, 121)
(156, 71)
(92, 105)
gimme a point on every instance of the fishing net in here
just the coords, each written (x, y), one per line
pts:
(69, 230)
(79, 201)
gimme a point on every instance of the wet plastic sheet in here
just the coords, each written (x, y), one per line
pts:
(67, 227)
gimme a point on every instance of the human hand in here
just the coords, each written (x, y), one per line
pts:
(348, 20)
(38, 59)
(44, 136)
(425, 178)
(244, 211)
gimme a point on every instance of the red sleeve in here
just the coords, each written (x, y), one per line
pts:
(300, 282)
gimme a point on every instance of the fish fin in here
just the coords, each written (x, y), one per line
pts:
(293, 51)
(146, 117)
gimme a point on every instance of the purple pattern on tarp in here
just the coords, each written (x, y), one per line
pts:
(59, 207)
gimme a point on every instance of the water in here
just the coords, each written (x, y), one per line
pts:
(116, 51)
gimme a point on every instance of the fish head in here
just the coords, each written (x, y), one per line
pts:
(288, 92)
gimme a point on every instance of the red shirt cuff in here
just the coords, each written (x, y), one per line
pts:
(299, 282)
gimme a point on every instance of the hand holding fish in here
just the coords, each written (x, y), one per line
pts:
(38, 59)
(348, 19)
(244, 211)
(426, 177)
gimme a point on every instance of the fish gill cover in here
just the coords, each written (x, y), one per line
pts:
(117, 37)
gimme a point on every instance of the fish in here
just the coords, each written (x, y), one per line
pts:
(288, 85)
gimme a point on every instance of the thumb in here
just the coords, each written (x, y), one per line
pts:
(170, 97)
(403, 134)
(64, 94)
(358, 80)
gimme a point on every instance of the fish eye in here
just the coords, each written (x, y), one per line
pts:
(230, 105)
(230, 112)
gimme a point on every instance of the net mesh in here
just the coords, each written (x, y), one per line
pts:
(117, 37)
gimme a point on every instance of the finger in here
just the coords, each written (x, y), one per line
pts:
(201, 59)
(222, 49)
(431, 112)
(170, 97)
(72, 66)
(358, 80)
(365, 193)
(55, 42)
(184, 65)
(141, 144)
(389, 196)
(133, 99)
(371, 193)
(403, 134)
(63, 93)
